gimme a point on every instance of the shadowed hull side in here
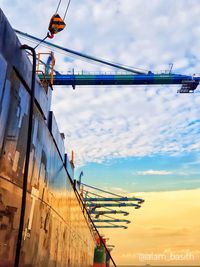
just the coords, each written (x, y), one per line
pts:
(56, 230)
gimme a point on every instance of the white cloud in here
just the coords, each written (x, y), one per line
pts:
(105, 122)
(154, 172)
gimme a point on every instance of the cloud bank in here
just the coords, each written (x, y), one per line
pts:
(102, 123)
(155, 172)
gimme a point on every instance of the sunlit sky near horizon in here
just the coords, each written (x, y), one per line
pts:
(129, 139)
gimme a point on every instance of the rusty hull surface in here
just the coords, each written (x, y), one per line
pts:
(56, 231)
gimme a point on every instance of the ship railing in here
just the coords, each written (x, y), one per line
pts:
(85, 72)
(47, 69)
(91, 223)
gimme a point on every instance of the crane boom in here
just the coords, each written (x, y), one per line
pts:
(103, 212)
(111, 226)
(110, 221)
(82, 55)
(189, 83)
(100, 199)
(93, 205)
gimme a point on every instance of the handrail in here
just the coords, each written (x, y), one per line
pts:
(95, 228)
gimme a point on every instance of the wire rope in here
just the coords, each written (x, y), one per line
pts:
(67, 9)
(58, 6)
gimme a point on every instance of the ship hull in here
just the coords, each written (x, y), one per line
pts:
(57, 231)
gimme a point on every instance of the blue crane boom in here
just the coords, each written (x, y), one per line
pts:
(99, 189)
(103, 212)
(110, 221)
(100, 199)
(102, 205)
(111, 226)
(189, 83)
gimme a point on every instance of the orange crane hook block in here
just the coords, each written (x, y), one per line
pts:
(56, 25)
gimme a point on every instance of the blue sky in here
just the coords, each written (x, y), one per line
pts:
(130, 138)
(149, 173)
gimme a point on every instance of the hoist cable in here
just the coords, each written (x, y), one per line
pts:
(58, 6)
(41, 41)
(67, 9)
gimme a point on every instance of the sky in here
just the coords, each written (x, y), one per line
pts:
(131, 139)
(170, 239)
